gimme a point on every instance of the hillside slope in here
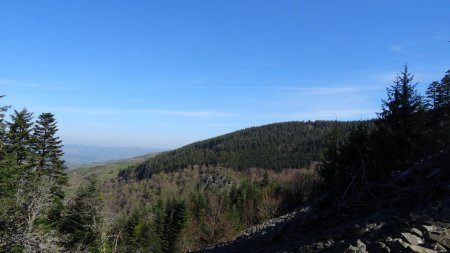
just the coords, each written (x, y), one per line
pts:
(411, 214)
(275, 146)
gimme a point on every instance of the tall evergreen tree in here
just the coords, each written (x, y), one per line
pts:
(7, 186)
(438, 94)
(432, 95)
(48, 149)
(19, 138)
(7, 163)
(401, 122)
(9, 175)
(170, 219)
(403, 101)
(47, 145)
(83, 221)
(444, 91)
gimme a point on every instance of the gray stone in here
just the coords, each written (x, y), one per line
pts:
(412, 239)
(443, 224)
(439, 248)
(419, 249)
(426, 229)
(398, 245)
(318, 246)
(441, 237)
(437, 235)
(353, 249)
(359, 248)
(378, 247)
(416, 232)
(360, 245)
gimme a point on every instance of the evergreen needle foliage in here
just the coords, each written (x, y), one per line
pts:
(276, 146)
(407, 130)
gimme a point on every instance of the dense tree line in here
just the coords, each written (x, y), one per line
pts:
(275, 146)
(33, 215)
(151, 229)
(409, 127)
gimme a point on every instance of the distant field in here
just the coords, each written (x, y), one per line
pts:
(76, 156)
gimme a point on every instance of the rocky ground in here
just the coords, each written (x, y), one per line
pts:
(411, 214)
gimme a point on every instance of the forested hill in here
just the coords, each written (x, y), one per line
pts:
(275, 146)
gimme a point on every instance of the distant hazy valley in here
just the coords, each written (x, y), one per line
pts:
(76, 155)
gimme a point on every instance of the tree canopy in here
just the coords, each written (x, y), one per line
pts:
(275, 146)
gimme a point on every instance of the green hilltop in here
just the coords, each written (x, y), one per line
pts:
(275, 146)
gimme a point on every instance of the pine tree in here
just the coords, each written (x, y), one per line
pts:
(438, 94)
(403, 101)
(175, 220)
(84, 218)
(8, 168)
(19, 138)
(47, 145)
(8, 188)
(48, 150)
(401, 122)
(170, 219)
(444, 92)
(432, 95)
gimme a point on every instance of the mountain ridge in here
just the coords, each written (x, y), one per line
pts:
(277, 146)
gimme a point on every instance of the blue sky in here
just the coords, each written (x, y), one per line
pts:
(166, 73)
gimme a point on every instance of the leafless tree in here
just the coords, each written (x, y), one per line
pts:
(216, 226)
(34, 198)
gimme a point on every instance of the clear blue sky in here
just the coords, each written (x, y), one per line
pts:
(166, 73)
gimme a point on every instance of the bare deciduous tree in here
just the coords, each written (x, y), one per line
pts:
(34, 199)
(215, 223)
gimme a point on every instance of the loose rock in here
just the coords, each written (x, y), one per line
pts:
(419, 249)
(416, 232)
(439, 248)
(378, 247)
(437, 235)
(359, 248)
(412, 239)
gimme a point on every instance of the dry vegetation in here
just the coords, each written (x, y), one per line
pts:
(220, 202)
